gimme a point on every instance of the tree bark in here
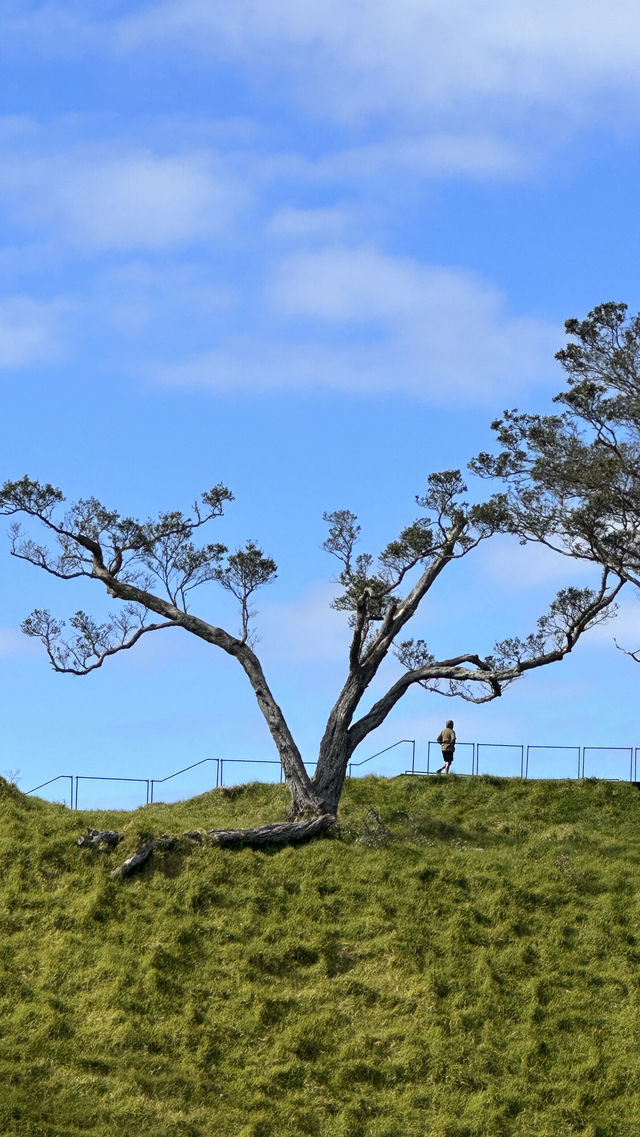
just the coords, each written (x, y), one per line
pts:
(93, 838)
(297, 779)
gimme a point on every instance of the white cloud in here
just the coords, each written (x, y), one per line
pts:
(430, 155)
(441, 333)
(114, 197)
(30, 331)
(518, 567)
(415, 54)
(344, 285)
(624, 627)
(309, 225)
(347, 59)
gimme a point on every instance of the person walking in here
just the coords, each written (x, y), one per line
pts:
(447, 740)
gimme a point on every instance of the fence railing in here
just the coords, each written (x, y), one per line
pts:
(459, 746)
(526, 764)
(58, 778)
(158, 781)
(500, 746)
(521, 761)
(410, 741)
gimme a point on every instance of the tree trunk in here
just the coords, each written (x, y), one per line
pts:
(331, 771)
(304, 802)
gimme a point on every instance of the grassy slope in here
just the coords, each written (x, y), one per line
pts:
(472, 971)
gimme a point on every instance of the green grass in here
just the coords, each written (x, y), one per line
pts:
(464, 962)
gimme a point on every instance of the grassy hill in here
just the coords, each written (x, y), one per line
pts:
(462, 962)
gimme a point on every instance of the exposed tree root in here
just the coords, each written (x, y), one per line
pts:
(135, 861)
(96, 837)
(277, 833)
(263, 836)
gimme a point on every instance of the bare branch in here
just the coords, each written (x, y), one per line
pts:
(635, 655)
(572, 613)
(93, 642)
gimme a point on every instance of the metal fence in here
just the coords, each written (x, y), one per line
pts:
(502, 759)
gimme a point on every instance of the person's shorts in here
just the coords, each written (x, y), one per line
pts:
(447, 755)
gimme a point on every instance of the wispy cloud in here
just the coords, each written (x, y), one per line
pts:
(494, 61)
(518, 568)
(30, 331)
(361, 59)
(305, 226)
(436, 332)
(113, 197)
(431, 155)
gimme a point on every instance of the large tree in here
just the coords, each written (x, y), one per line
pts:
(573, 477)
(152, 568)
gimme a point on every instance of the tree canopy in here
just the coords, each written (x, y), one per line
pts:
(573, 478)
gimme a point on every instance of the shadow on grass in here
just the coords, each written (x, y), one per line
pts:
(427, 828)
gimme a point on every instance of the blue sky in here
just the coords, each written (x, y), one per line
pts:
(309, 250)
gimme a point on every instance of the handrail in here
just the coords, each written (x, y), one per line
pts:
(168, 778)
(502, 746)
(56, 779)
(434, 742)
(248, 762)
(151, 783)
(412, 743)
(104, 778)
(536, 747)
(625, 749)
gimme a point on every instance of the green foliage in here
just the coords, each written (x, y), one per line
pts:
(452, 527)
(156, 551)
(244, 572)
(462, 960)
(574, 476)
